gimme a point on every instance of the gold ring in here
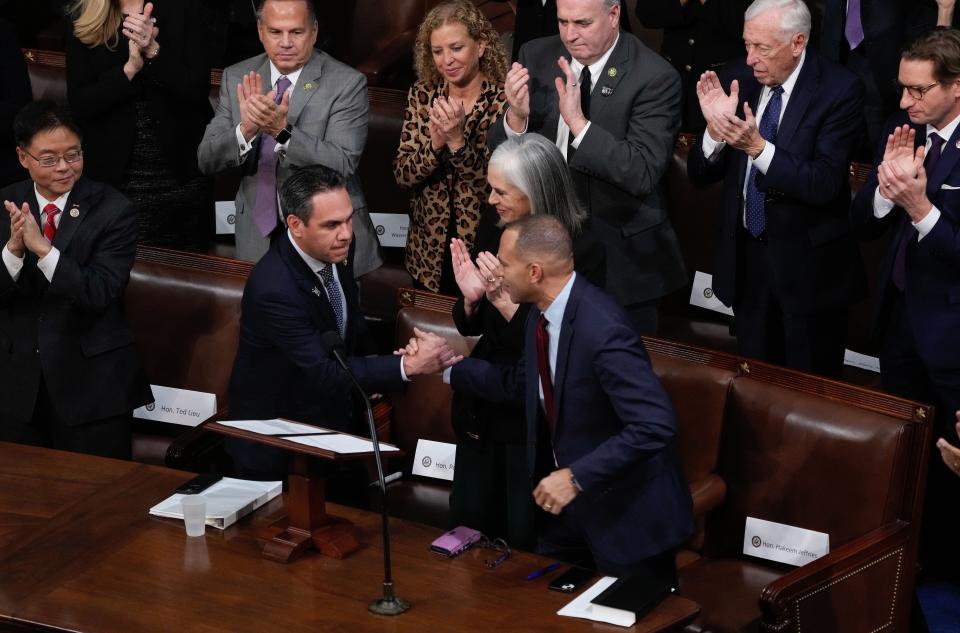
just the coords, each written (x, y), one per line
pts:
(547, 506)
(491, 279)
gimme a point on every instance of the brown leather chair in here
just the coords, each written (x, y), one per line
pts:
(184, 311)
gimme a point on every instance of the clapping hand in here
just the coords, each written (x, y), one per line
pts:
(23, 223)
(517, 90)
(568, 92)
(491, 271)
(468, 277)
(901, 177)
(716, 104)
(15, 243)
(950, 454)
(451, 118)
(139, 28)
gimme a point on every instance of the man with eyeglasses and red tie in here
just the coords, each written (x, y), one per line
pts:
(913, 196)
(70, 376)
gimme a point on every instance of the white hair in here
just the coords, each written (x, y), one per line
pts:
(794, 16)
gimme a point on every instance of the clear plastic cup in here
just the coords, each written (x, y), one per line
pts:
(194, 514)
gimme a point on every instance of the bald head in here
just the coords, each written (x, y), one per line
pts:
(537, 258)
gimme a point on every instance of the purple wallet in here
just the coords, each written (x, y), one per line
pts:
(454, 542)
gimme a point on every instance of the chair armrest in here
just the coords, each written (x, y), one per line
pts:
(393, 52)
(187, 449)
(865, 585)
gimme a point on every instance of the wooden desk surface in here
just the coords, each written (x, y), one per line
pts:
(78, 552)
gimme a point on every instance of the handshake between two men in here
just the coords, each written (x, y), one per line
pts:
(427, 353)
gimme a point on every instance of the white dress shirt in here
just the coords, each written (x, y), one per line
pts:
(883, 206)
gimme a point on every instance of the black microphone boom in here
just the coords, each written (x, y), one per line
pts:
(389, 603)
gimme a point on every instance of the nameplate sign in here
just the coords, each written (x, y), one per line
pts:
(226, 213)
(434, 459)
(861, 361)
(391, 228)
(783, 543)
(701, 295)
(178, 406)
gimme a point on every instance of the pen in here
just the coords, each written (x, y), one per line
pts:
(546, 570)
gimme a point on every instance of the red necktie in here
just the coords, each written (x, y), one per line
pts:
(50, 226)
(543, 366)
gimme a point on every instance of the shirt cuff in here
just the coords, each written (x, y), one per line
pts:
(446, 375)
(711, 147)
(509, 130)
(403, 373)
(926, 225)
(576, 141)
(242, 143)
(12, 263)
(882, 206)
(765, 158)
(48, 263)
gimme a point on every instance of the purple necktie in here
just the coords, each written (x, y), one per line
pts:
(265, 206)
(908, 232)
(853, 30)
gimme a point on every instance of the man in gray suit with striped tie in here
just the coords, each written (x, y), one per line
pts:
(291, 107)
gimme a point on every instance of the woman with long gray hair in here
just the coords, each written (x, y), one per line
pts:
(491, 490)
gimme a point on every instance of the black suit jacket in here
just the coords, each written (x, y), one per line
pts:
(72, 331)
(814, 258)
(619, 166)
(281, 369)
(615, 428)
(932, 267)
(176, 86)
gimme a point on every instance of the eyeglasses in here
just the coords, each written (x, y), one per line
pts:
(916, 92)
(763, 50)
(499, 545)
(49, 160)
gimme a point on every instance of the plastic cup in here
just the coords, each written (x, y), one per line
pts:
(194, 514)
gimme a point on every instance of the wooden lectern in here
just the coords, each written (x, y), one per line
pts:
(307, 524)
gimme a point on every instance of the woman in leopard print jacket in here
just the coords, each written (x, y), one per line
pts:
(461, 64)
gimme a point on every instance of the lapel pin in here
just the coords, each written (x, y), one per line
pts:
(316, 291)
(958, 144)
(612, 71)
(606, 91)
(308, 86)
(75, 212)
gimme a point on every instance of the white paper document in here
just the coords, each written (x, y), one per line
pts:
(580, 606)
(783, 543)
(308, 435)
(228, 500)
(701, 294)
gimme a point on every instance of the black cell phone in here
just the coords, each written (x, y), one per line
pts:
(199, 483)
(569, 580)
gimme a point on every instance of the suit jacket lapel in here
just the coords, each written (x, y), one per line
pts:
(946, 164)
(563, 349)
(306, 87)
(803, 91)
(552, 117)
(72, 215)
(751, 90)
(617, 67)
(309, 283)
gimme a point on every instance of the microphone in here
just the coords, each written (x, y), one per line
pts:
(388, 603)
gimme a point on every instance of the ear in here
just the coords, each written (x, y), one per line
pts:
(799, 43)
(22, 155)
(535, 272)
(615, 16)
(295, 225)
(483, 47)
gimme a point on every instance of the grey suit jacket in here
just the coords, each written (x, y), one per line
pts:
(328, 112)
(620, 163)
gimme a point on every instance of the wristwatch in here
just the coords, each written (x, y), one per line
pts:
(284, 135)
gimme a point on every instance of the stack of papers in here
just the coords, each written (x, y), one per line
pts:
(228, 500)
(316, 436)
(580, 607)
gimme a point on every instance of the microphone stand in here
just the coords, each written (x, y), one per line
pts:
(388, 603)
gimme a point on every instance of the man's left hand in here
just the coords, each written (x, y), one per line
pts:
(555, 491)
(568, 91)
(269, 116)
(898, 184)
(33, 239)
(741, 134)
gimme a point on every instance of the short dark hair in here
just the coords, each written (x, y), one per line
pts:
(40, 116)
(311, 12)
(297, 191)
(940, 45)
(542, 235)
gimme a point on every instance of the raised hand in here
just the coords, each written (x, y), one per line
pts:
(451, 118)
(15, 243)
(568, 92)
(492, 273)
(249, 86)
(466, 274)
(715, 103)
(905, 183)
(516, 86)
(274, 115)
(899, 148)
(139, 28)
